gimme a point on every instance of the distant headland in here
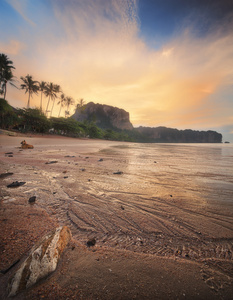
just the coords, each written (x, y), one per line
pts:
(114, 118)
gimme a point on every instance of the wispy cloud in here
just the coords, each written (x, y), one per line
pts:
(96, 53)
(20, 7)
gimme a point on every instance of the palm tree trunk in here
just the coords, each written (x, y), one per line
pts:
(41, 102)
(59, 111)
(5, 92)
(29, 94)
(52, 108)
(47, 106)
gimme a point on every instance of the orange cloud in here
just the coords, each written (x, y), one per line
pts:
(100, 57)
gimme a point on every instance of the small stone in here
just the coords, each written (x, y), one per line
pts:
(15, 184)
(32, 199)
(122, 207)
(170, 195)
(91, 242)
(51, 162)
(65, 177)
(82, 169)
(4, 175)
(101, 159)
(118, 172)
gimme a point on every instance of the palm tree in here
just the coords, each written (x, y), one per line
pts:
(57, 90)
(6, 74)
(42, 86)
(31, 87)
(80, 105)
(50, 93)
(69, 101)
(61, 102)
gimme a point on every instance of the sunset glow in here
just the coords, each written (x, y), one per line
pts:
(125, 53)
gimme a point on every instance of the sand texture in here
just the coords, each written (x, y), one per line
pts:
(149, 242)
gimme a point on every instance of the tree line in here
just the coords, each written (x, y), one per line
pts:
(50, 90)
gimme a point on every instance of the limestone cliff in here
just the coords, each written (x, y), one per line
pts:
(104, 116)
(171, 135)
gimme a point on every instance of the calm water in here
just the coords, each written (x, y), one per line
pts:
(189, 171)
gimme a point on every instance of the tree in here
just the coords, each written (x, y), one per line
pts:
(69, 101)
(57, 90)
(6, 74)
(50, 92)
(61, 102)
(42, 87)
(8, 116)
(31, 87)
(80, 106)
(33, 120)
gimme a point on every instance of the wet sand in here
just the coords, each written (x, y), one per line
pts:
(149, 244)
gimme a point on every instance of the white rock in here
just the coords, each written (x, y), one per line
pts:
(42, 260)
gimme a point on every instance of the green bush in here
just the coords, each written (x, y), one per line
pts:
(8, 117)
(32, 119)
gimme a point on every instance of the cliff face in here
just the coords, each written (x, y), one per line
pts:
(170, 135)
(104, 116)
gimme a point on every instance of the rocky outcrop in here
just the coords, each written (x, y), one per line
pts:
(170, 135)
(104, 116)
(41, 261)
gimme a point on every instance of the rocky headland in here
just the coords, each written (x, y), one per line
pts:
(109, 117)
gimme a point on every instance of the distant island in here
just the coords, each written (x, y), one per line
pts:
(114, 118)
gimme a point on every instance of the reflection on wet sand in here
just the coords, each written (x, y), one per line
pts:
(167, 200)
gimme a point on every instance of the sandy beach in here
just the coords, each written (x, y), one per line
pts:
(150, 243)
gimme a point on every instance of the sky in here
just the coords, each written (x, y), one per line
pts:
(166, 62)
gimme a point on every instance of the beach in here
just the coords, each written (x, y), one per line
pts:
(161, 216)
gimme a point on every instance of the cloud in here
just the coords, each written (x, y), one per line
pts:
(20, 7)
(94, 50)
(13, 47)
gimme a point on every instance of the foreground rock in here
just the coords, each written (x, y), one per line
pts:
(41, 261)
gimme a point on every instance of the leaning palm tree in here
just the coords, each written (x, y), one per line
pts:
(69, 101)
(57, 90)
(42, 86)
(30, 86)
(6, 74)
(8, 77)
(61, 102)
(50, 93)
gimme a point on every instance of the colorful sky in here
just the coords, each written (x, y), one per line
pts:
(166, 62)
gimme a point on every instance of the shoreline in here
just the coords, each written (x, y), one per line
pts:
(100, 271)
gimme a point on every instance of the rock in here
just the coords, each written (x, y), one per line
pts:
(122, 207)
(51, 162)
(15, 184)
(106, 116)
(82, 169)
(65, 177)
(32, 199)
(118, 172)
(7, 153)
(91, 242)
(4, 175)
(101, 159)
(10, 155)
(41, 261)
